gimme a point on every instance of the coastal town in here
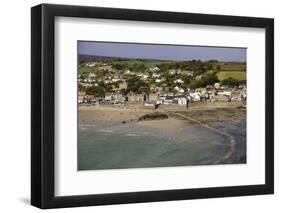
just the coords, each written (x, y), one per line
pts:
(144, 105)
(154, 83)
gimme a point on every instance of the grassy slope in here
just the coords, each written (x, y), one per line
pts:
(85, 69)
(239, 75)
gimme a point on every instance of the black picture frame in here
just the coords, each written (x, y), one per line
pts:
(43, 110)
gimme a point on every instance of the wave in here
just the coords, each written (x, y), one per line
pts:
(106, 130)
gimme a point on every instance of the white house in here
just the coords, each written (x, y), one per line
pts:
(118, 97)
(177, 88)
(236, 98)
(86, 84)
(226, 93)
(107, 81)
(217, 85)
(196, 96)
(89, 80)
(108, 97)
(179, 81)
(127, 72)
(181, 90)
(154, 68)
(198, 77)
(92, 75)
(182, 101)
(91, 64)
(172, 71)
(155, 75)
(145, 76)
(116, 79)
(179, 71)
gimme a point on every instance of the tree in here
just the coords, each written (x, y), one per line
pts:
(232, 82)
(210, 79)
(81, 88)
(218, 67)
(106, 87)
(136, 85)
(119, 66)
(97, 91)
(197, 84)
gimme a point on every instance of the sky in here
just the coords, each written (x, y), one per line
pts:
(162, 51)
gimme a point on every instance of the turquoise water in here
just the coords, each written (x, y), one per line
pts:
(117, 146)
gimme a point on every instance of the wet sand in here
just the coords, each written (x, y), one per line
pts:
(169, 124)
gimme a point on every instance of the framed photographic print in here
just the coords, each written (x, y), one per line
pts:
(139, 106)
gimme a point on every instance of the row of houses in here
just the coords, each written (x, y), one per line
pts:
(113, 75)
(166, 98)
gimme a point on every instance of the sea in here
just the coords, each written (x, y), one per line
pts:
(129, 145)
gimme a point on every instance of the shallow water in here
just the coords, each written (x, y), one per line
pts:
(117, 146)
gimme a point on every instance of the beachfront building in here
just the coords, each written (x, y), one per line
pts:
(108, 96)
(226, 93)
(195, 96)
(135, 98)
(236, 97)
(117, 97)
(182, 101)
(220, 98)
(153, 97)
(81, 96)
(169, 100)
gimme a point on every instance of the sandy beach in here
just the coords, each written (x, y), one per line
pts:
(92, 114)
(209, 112)
(105, 114)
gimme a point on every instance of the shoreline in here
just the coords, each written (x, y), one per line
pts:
(207, 113)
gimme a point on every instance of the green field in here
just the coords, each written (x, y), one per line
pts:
(146, 63)
(85, 70)
(239, 75)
